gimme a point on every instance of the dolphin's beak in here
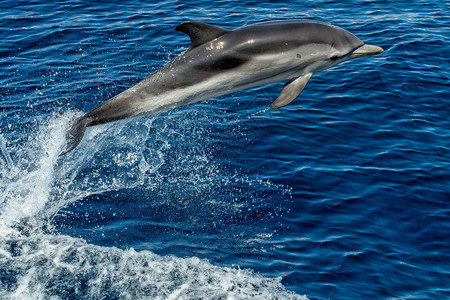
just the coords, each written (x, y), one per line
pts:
(366, 50)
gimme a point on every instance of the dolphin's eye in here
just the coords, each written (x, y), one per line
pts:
(334, 57)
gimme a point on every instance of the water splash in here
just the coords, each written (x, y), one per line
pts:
(5, 153)
(39, 264)
(27, 186)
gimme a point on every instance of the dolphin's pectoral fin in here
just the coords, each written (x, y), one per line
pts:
(75, 134)
(291, 90)
(200, 33)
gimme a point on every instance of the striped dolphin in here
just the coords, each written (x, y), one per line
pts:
(221, 61)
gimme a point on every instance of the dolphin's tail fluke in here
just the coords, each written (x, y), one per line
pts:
(75, 134)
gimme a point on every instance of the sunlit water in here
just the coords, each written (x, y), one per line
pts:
(342, 194)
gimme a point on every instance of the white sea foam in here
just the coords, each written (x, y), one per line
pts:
(45, 266)
(5, 153)
(35, 264)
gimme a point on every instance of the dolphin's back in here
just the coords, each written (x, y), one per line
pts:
(303, 31)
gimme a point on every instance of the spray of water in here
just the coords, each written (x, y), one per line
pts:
(37, 263)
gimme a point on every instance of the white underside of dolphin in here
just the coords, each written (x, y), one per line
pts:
(221, 61)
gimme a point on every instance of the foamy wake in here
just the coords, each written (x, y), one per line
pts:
(41, 266)
(37, 264)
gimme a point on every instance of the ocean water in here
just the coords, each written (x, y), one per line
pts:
(343, 194)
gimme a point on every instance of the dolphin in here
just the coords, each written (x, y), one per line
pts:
(221, 61)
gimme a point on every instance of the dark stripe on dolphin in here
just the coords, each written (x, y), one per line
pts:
(222, 64)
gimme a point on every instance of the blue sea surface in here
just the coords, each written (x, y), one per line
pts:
(343, 194)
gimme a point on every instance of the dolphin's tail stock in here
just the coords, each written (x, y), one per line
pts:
(75, 134)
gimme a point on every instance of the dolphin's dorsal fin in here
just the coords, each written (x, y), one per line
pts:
(200, 33)
(291, 90)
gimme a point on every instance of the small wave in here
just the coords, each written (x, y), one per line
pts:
(42, 266)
